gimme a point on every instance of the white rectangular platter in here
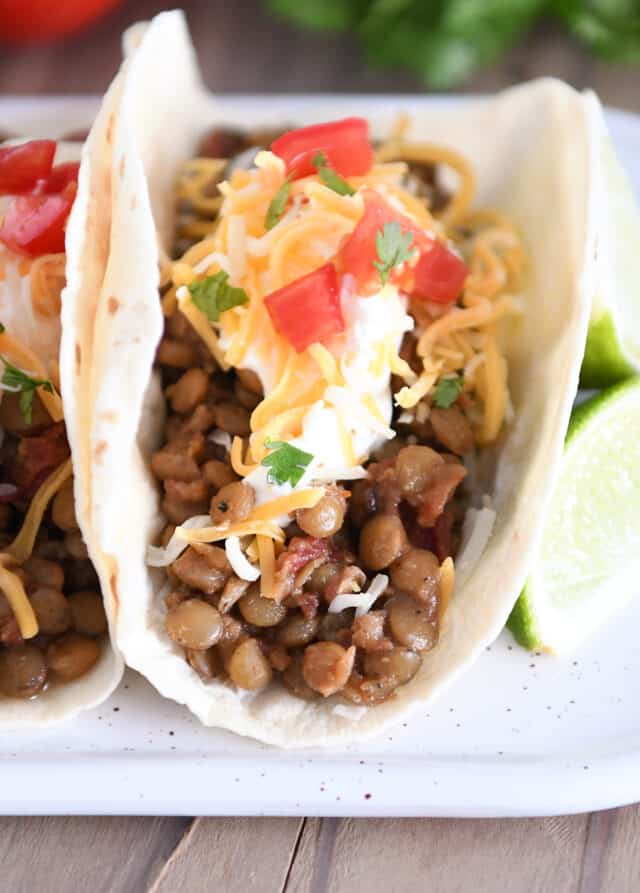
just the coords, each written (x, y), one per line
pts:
(520, 734)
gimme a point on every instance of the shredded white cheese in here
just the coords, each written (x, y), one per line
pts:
(222, 438)
(159, 557)
(349, 712)
(361, 601)
(238, 560)
(214, 258)
(476, 531)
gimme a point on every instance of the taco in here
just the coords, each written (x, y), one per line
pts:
(56, 657)
(335, 364)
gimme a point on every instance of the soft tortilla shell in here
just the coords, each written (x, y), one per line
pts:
(87, 246)
(533, 159)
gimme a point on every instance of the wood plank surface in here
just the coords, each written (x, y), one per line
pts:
(234, 856)
(241, 48)
(92, 854)
(533, 855)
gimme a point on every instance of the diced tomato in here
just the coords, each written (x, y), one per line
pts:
(35, 224)
(22, 166)
(359, 251)
(61, 175)
(345, 145)
(308, 309)
(23, 21)
(439, 275)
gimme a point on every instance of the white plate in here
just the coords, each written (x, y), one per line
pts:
(520, 734)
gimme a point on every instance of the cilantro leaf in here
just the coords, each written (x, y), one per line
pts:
(447, 391)
(26, 405)
(213, 295)
(333, 181)
(277, 205)
(285, 462)
(16, 380)
(393, 249)
(329, 177)
(1, 328)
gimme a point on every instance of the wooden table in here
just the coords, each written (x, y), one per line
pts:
(242, 49)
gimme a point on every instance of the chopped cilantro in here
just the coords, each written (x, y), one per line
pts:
(1, 328)
(214, 295)
(278, 204)
(447, 391)
(16, 380)
(329, 177)
(285, 462)
(393, 249)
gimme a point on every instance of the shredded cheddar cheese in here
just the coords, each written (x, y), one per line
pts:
(447, 582)
(244, 528)
(11, 586)
(266, 555)
(47, 277)
(22, 546)
(285, 505)
(461, 339)
(237, 462)
(200, 323)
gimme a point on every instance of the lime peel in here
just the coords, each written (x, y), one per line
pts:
(613, 342)
(588, 564)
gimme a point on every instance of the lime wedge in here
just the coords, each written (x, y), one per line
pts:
(588, 564)
(612, 351)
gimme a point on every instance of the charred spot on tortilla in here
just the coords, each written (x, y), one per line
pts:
(99, 450)
(121, 166)
(113, 305)
(78, 355)
(109, 134)
(113, 585)
(109, 416)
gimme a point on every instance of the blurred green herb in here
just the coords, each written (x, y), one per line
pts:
(213, 295)
(444, 41)
(447, 391)
(16, 380)
(278, 204)
(329, 177)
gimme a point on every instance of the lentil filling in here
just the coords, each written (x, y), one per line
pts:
(52, 620)
(58, 578)
(381, 539)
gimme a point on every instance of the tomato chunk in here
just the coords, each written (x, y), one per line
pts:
(345, 145)
(439, 275)
(35, 224)
(359, 251)
(61, 175)
(308, 309)
(22, 166)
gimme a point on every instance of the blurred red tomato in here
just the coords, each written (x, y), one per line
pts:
(22, 21)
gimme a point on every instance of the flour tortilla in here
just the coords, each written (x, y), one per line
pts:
(87, 248)
(533, 157)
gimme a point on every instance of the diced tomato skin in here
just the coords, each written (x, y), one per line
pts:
(308, 309)
(439, 275)
(61, 175)
(35, 224)
(359, 250)
(22, 166)
(345, 145)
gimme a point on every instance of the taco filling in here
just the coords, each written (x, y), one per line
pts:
(51, 613)
(333, 366)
